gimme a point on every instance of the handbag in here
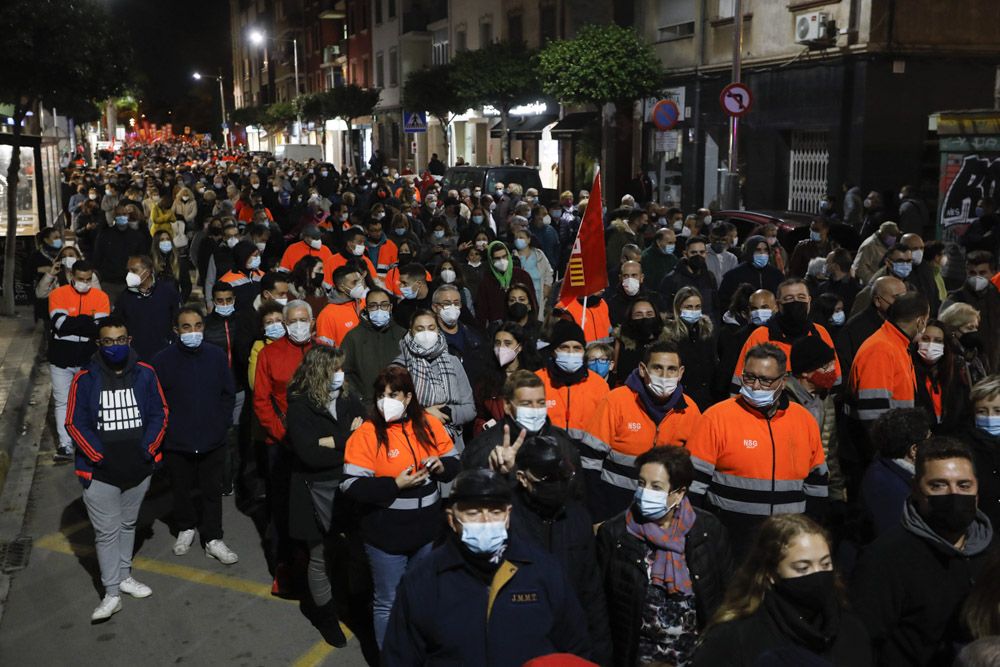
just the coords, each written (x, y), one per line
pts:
(323, 493)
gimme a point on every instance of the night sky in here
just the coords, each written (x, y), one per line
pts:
(171, 40)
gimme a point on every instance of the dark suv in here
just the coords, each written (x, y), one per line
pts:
(486, 176)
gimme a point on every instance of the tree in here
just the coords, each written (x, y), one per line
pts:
(65, 53)
(433, 89)
(604, 65)
(247, 116)
(349, 102)
(278, 115)
(502, 75)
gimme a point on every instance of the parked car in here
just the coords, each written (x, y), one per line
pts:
(486, 176)
(793, 226)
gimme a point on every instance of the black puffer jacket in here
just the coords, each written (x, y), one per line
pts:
(622, 558)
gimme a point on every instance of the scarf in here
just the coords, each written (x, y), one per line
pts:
(656, 411)
(668, 568)
(505, 277)
(431, 370)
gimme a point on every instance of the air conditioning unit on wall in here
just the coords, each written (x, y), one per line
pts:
(811, 28)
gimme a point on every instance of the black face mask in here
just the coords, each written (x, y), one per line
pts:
(644, 329)
(971, 341)
(517, 311)
(405, 258)
(813, 592)
(795, 313)
(951, 514)
(696, 262)
(551, 495)
(718, 247)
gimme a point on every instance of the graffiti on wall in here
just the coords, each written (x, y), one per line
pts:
(965, 179)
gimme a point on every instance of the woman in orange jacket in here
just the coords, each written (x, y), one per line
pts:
(392, 466)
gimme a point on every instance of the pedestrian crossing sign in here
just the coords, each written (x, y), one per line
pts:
(414, 121)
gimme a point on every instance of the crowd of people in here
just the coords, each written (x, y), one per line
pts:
(743, 451)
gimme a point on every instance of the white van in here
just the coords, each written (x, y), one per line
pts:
(300, 152)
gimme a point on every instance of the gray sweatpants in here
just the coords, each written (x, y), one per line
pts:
(113, 513)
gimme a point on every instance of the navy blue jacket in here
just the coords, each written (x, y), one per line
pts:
(200, 391)
(83, 421)
(445, 614)
(150, 319)
(884, 490)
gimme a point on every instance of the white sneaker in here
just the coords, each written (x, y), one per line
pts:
(185, 539)
(111, 604)
(218, 550)
(135, 588)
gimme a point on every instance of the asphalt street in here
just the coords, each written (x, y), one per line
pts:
(201, 612)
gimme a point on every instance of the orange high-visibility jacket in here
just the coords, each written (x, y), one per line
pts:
(571, 406)
(882, 376)
(768, 333)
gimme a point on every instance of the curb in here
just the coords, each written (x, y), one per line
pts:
(28, 431)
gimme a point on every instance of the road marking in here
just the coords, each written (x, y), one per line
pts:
(317, 654)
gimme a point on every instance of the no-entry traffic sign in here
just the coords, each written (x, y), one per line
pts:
(736, 99)
(666, 115)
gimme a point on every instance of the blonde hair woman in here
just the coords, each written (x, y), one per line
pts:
(691, 330)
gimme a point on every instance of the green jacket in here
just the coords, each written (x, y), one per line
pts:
(656, 265)
(367, 351)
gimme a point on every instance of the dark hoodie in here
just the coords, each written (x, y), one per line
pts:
(909, 587)
(683, 276)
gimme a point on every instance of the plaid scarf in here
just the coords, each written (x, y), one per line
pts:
(668, 568)
(431, 370)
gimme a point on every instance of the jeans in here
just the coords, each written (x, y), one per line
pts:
(204, 471)
(387, 570)
(113, 513)
(61, 380)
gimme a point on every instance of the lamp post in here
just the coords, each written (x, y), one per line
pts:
(222, 101)
(258, 37)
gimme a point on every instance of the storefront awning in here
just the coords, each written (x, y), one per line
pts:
(524, 127)
(573, 124)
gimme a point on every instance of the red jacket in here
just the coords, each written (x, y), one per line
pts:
(276, 363)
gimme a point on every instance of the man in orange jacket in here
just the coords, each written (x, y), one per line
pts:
(310, 245)
(758, 454)
(882, 376)
(787, 326)
(650, 410)
(343, 313)
(597, 326)
(572, 390)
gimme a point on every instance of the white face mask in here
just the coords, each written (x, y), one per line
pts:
(359, 291)
(81, 286)
(426, 339)
(930, 351)
(68, 261)
(531, 419)
(662, 387)
(761, 316)
(390, 408)
(359, 250)
(315, 244)
(450, 314)
(337, 381)
(299, 331)
(132, 280)
(505, 354)
(978, 283)
(501, 265)
(918, 256)
(448, 276)
(631, 286)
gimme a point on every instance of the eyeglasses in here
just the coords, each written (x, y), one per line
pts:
(108, 342)
(373, 307)
(765, 383)
(449, 303)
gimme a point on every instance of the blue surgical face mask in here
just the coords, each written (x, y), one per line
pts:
(379, 318)
(408, 292)
(569, 361)
(761, 316)
(814, 236)
(166, 247)
(439, 233)
(253, 263)
(760, 261)
(980, 211)
(478, 219)
(400, 231)
(651, 503)
(902, 269)
(989, 423)
(337, 380)
(225, 311)
(600, 366)
(759, 398)
(668, 249)
(484, 538)
(274, 330)
(115, 354)
(192, 339)
(838, 318)
(57, 243)
(121, 220)
(520, 244)
(691, 316)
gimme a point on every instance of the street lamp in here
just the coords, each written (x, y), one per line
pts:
(258, 37)
(222, 100)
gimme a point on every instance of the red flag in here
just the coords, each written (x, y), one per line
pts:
(586, 272)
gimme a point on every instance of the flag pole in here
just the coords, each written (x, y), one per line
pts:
(583, 318)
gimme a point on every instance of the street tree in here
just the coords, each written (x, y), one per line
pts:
(607, 66)
(66, 54)
(248, 116)
(502, 75)
(278, 115)
(433, 89)
(350, 102)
